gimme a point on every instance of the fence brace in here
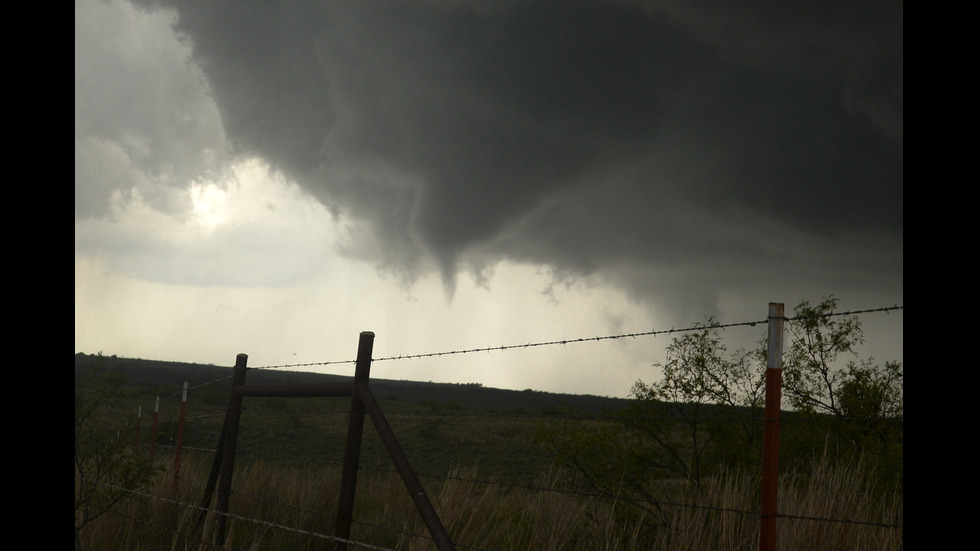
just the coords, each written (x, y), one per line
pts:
(362, 401)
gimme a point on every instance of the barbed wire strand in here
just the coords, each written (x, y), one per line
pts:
(654, 332)
(179, 393)
(840, 521)
(248, 519)
(571, 416)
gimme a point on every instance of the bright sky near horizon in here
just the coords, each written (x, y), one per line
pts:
(273, 178)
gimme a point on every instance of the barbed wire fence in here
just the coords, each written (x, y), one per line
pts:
(562, 342)
(168, 427)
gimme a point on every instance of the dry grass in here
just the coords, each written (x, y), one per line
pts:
(292, 508)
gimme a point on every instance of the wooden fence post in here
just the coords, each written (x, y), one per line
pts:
(216, 462)
(770, 438)
(352, 449)
(412, 484)
(230, 435)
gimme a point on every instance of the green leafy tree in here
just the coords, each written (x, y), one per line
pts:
(816, 382)
(703, 411)
(108, 469)
(871, 391)
(849, 405)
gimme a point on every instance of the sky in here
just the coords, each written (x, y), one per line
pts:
(272, 178)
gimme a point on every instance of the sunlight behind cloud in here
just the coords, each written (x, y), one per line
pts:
(252, 229)
(210, 205)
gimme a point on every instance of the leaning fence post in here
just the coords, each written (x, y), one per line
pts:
(770, 438)
(180, 435)
(216, 462)
(412, 484)
(352, 449)
(230, 435)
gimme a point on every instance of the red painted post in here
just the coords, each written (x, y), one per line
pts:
(153, 436)
(180, 436)
(770, 438)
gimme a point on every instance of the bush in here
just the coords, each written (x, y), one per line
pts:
(108, 468)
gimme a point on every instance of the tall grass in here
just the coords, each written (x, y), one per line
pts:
(833, 506)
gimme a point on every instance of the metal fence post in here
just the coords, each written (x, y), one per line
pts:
(180, 435)
(153, 435)
(139, 418)
(770, 438)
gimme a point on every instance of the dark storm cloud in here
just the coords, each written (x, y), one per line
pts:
(575, 134)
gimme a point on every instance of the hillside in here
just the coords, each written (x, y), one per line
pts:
(168, 377)
(439, 425)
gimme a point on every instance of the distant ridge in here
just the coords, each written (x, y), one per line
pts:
(156, 375)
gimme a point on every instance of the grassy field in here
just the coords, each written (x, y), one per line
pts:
(440, 426)
(276, 507)
(491, 480)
